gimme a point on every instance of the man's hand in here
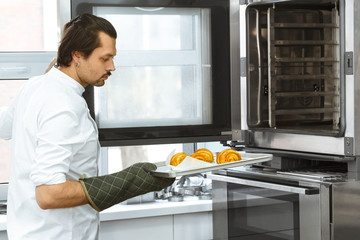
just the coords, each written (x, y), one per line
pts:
(108, 190)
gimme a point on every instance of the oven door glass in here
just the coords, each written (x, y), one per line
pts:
(162, 68)
(172, 79)
(258, 213)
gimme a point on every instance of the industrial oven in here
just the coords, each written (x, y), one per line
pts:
(262, 76)
(299, 88)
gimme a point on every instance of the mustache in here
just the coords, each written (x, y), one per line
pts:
(107, 74)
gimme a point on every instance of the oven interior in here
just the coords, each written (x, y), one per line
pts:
(293, 62)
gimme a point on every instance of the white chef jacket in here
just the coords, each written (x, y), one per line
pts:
(54, 139)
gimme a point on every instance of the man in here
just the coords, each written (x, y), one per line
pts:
(54, 192)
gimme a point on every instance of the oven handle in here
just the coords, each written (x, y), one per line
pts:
(254, 183)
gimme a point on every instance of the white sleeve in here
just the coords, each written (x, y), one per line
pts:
(58, 138)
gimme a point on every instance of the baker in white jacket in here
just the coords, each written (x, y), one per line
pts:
(54, 190)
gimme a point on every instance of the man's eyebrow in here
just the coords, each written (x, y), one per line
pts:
(108, 55)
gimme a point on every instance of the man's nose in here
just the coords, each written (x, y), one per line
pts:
(111, 66)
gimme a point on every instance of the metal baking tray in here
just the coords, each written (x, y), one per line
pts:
(168, 171)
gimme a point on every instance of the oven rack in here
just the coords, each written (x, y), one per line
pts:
(303, 59)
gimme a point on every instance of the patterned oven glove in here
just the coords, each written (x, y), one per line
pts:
(108, 190)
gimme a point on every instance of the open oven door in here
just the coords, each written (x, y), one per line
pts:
(175, 66)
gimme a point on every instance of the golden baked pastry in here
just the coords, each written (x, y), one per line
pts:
(228, 155)
(204, 155)
(177, 158)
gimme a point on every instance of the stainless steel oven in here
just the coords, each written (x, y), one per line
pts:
(298, 94)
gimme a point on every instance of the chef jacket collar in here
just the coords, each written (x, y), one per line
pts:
(68, 80)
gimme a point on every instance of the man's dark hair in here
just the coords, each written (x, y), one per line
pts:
(82, 34)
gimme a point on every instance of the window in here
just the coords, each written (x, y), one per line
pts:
(28, 27)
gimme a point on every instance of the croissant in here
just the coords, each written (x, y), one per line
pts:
(228, 155)
(177, 158)
(204, 155)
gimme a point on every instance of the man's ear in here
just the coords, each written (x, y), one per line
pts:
(76, 55)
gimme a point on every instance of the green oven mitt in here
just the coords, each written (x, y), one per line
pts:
(108, 190)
